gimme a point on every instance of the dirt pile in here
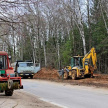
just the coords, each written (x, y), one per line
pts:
(50, 74)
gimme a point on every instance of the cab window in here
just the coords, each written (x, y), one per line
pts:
(3, 62)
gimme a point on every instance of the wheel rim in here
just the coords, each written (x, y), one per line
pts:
(65, 75)
(73, 76)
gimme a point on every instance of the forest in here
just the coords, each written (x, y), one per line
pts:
(50, 32)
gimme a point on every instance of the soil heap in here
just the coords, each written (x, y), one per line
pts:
(45, 73)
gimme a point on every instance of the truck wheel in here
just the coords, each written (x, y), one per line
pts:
(74, 75)
(31, 77)
(8, 92)
(65, 75)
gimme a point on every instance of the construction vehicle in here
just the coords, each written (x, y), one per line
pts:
(82, 66)
(8, 81)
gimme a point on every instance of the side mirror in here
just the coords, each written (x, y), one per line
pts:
(17, 65)
(9, 57)
(11, 68)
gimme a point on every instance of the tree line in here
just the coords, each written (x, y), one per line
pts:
(52, 31)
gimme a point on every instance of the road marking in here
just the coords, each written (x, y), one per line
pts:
(53, 103)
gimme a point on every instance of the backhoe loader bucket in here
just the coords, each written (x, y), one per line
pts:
(60, 72)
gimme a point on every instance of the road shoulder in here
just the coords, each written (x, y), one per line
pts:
(21, 99)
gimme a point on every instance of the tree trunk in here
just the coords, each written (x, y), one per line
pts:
(58, 55)
(45, 58)
(79, 23)
(103, 16)
(89, 25)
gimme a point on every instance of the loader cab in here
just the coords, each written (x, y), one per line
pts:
(4, 63)
(76, 61)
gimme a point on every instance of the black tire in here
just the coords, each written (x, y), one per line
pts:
(65, 75)
(8, 92)
(88, 76)
(25, 77)
(74, 75)
(31, 77)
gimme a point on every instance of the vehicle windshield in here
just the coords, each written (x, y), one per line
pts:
(3, 62)
(25, 64)
(78, 61)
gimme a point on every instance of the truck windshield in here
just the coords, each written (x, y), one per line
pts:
(25, 64)
(3, 62)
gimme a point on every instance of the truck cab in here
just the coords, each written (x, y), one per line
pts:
(26, 69)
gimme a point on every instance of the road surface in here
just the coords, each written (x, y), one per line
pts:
(22, 99)
(67, 96)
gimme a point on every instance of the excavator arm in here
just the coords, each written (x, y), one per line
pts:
(86, 61)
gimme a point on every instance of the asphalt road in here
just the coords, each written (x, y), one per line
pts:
(67, 96)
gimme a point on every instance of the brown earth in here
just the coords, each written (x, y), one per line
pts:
(99, 80)
(49, 74)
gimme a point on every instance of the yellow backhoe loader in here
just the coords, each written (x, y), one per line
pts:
(82, 66)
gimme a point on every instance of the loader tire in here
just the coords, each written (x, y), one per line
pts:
(65, 75)
(74, 75)
(8, 92)
(88, 76)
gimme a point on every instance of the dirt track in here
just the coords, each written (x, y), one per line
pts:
(22, 99)
(99, 80)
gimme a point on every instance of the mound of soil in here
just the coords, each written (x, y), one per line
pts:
(49, 74)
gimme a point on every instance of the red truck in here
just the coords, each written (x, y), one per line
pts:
(8, 81)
